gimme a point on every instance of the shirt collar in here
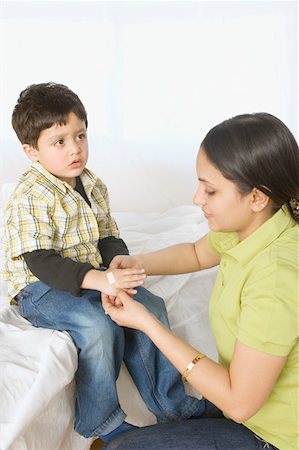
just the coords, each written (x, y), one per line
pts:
(261, 238)
(87, 177)
(61, 186)
(89, 180)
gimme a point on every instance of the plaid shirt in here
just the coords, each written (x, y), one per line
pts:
(46, 213)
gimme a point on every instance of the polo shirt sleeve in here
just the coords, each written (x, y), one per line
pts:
(29, 225)
(269, 308)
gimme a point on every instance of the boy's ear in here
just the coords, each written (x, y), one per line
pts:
(30, 152)
(259, 200)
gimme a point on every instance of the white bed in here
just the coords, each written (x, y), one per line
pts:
(37, 366)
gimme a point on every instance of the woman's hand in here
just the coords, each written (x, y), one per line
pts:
(124, 262)
(127, 312)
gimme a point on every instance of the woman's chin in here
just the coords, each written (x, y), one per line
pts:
(213, 226)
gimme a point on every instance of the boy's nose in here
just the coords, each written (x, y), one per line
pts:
(75, 148)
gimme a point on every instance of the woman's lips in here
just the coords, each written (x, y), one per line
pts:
(207, 215)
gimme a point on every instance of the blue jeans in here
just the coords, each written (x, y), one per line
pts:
(209, 432)
(102, 346)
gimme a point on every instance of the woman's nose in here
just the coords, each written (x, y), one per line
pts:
(198, 198)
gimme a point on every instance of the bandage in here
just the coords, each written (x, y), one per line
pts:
(110, 278)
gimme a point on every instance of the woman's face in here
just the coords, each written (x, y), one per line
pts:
(224, 207)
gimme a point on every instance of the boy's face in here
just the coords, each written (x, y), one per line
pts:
(62, 149)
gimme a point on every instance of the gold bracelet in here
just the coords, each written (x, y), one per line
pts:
(191, 365)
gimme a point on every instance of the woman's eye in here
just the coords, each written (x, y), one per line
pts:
(210, 192)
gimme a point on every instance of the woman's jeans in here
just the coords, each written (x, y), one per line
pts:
(211, 431)
(102, 346)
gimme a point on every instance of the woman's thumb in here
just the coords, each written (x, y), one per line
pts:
(123, 297)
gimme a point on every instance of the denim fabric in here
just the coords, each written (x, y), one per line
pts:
(209, 432)
(102, 346)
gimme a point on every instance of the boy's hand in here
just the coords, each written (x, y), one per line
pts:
(111, 281)
(126, 279)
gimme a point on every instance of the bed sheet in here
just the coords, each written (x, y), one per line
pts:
(37, 366)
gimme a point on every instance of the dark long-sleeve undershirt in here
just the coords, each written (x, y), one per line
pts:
(64, 273)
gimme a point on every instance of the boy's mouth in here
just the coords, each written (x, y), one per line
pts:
(76, 163)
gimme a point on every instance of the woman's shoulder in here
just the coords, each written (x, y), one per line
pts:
(284, 250)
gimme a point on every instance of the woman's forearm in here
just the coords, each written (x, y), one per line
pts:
(180, 258)
(173, 260)
(239, 390)
(207, 377)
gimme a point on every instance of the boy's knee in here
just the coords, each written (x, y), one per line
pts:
(152, 302)
(95, 330)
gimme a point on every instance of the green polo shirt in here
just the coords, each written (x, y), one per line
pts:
(255, 300)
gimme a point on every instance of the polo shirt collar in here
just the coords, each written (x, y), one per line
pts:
(245, 250)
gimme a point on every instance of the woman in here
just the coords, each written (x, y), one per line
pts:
(248, 172)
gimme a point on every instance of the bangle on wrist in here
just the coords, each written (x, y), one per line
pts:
(191, 365)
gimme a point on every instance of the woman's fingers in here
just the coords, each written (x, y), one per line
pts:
(117, 302)
(123, 297)
(131, 291)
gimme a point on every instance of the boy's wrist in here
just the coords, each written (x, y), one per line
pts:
(94, 279)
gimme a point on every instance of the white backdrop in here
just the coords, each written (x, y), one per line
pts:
(154, 76)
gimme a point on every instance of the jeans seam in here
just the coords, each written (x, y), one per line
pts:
(98, 430)
(265, 443)
(155, 397)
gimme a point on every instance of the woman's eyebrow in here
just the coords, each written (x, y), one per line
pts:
(205, 181)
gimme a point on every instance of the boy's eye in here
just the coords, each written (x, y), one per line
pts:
(81, 136)
(59, 142)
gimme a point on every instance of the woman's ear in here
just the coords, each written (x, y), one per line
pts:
(30, 152)
(259, 200)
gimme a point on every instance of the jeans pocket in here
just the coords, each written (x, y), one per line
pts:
(29, 299)
(24, 301)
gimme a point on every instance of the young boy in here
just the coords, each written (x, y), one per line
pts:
(60, 239)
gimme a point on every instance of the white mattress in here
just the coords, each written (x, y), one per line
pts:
(37, 366)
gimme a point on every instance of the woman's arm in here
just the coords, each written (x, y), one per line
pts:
(239, 390)
(180, 258)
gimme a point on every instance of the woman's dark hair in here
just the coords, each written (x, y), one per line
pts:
(40, 106)
(257, 150)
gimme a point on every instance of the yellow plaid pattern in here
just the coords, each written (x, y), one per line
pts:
(46, 213)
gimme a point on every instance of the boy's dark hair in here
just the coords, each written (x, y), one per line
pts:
(40, 106)
(257, 150)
